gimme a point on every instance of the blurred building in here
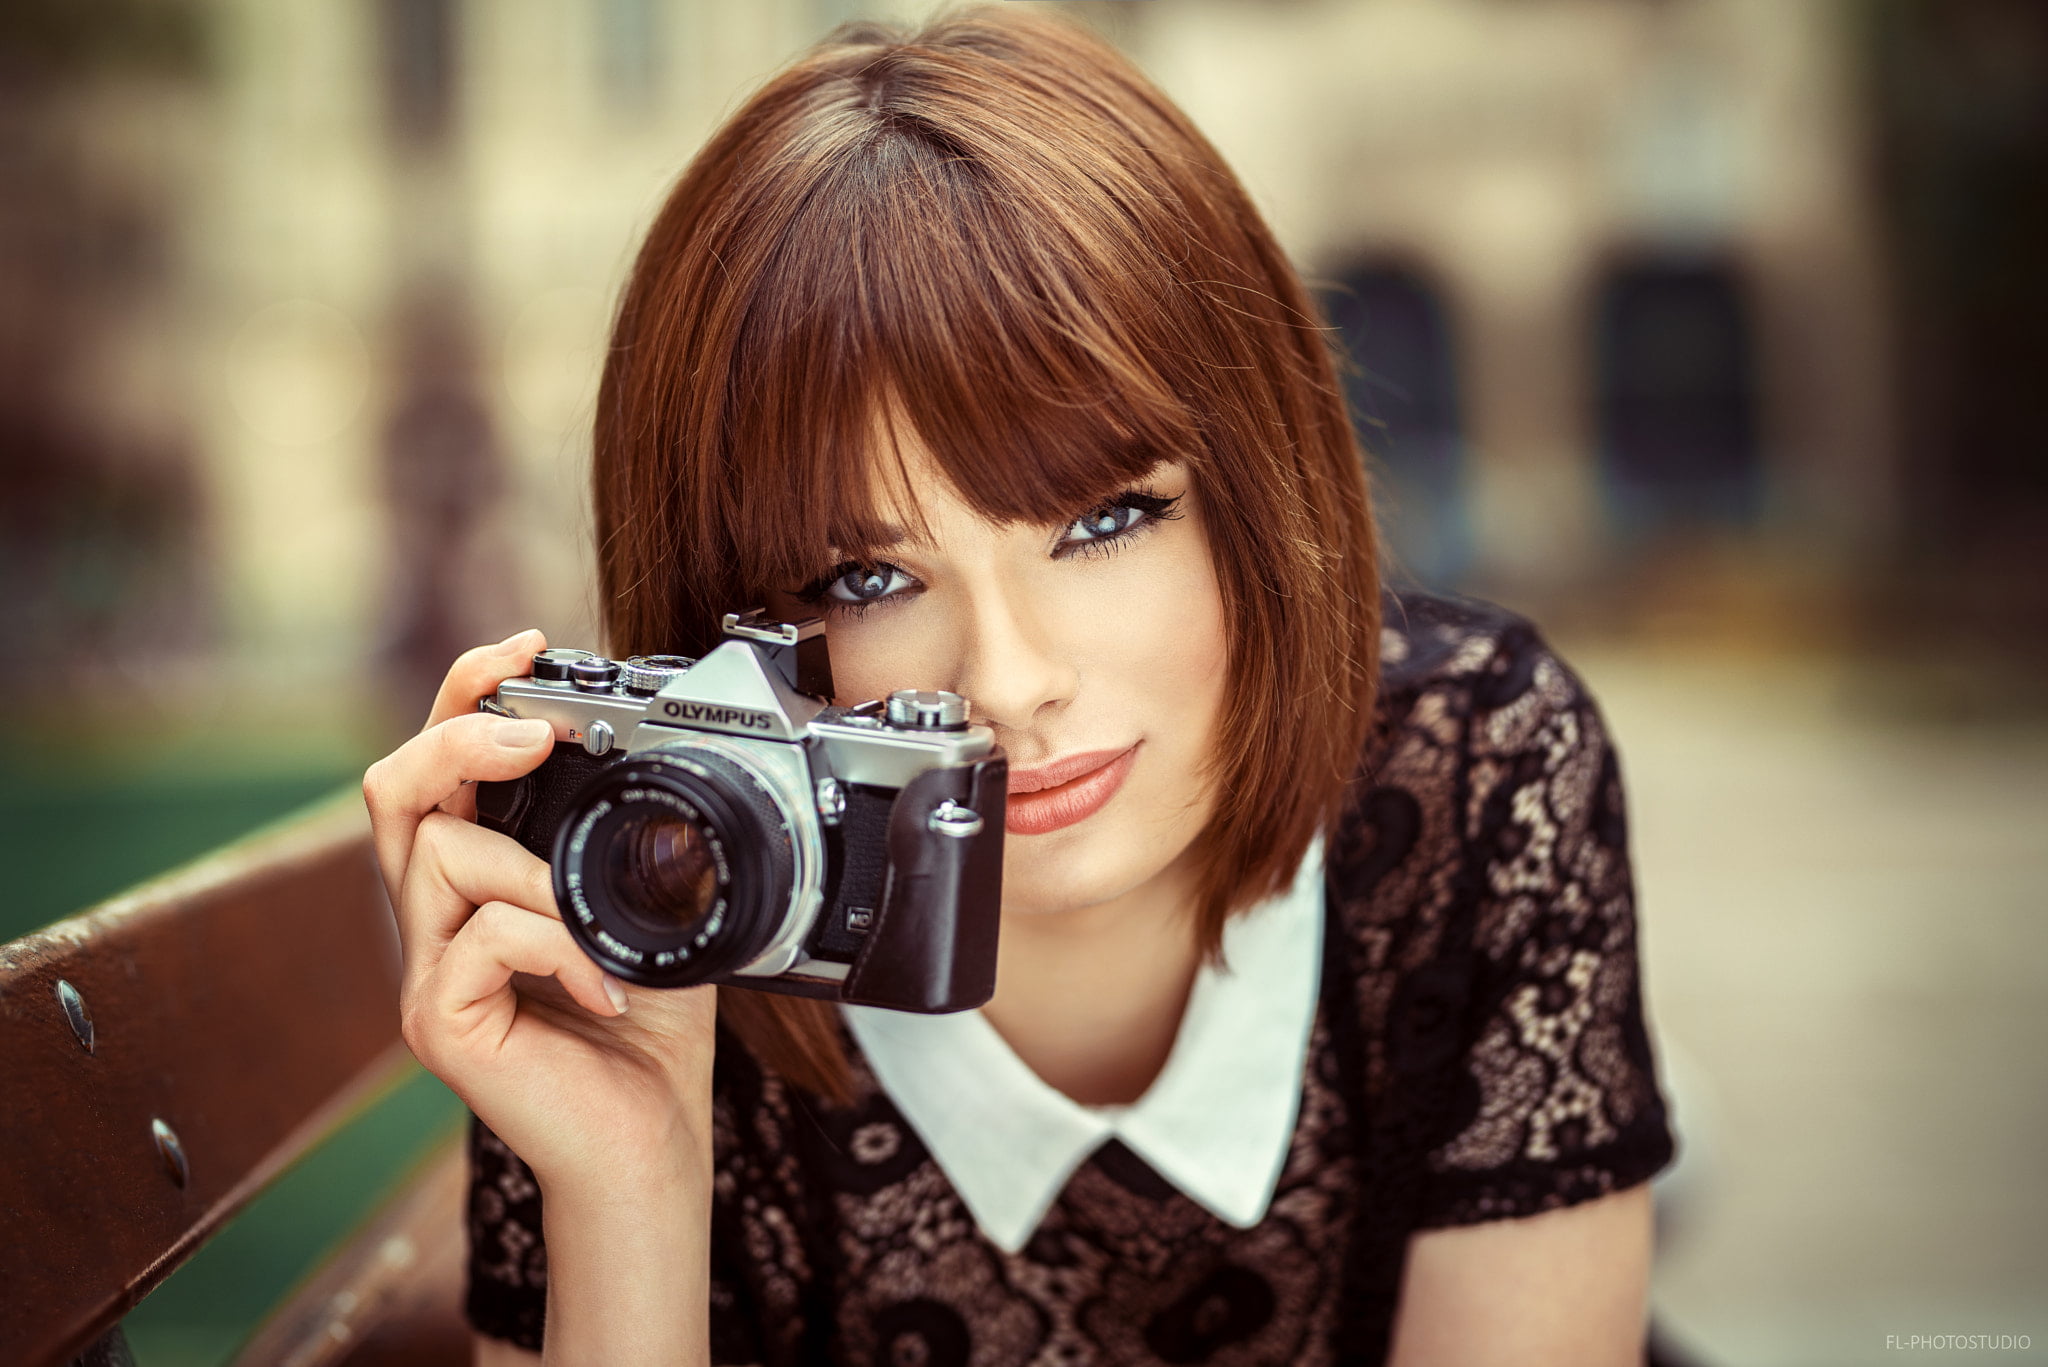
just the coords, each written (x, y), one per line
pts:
(306, 302)
(1614, 273)
(304, 308)
(102, 497)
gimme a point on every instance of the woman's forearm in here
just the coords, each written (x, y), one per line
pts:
(629, 1269)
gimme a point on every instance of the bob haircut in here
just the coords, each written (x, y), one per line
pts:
(996, 230)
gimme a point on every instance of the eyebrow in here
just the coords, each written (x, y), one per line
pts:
(891, 536)
(887, 537)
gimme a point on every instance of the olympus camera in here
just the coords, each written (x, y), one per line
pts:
(717, 820)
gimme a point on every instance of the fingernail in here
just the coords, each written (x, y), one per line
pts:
(616, 990)
(521, 735)
(516, 637)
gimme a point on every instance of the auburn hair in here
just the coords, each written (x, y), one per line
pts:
(998, 229)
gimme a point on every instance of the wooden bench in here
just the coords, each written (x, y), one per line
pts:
(171, 1052)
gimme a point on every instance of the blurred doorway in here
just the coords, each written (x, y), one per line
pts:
(1676, 400)
(1402, 391)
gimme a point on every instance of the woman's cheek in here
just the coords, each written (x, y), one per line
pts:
(888, 648)
(862, 666)
(1167, 612)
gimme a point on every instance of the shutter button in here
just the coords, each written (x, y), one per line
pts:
(926, 709)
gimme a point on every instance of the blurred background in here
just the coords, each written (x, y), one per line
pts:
(1709, 333)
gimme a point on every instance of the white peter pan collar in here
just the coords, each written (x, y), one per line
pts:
(1216, 1123)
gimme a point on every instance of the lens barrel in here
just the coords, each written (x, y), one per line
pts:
(673, 867)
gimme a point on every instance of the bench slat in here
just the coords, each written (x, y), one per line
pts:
(240, 1009)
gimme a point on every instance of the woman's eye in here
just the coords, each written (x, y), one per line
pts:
(867, 584)
(1130, 512)
(1104, 522)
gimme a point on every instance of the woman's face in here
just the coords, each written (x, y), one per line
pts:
(1095, 649)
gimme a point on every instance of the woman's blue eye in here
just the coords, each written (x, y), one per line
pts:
(1104, 522)
(851, 588)
(1129, 512)
(867, 584)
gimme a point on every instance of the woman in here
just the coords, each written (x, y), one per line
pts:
(1317, 1034)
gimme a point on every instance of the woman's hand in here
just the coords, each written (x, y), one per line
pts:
(583, 1077)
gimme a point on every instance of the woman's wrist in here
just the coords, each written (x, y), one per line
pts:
(629, 1264)
(666, 1138)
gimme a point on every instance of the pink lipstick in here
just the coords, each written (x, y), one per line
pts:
(1056, 795)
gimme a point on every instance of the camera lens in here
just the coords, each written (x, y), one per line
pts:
(660, 870)
(674, 866)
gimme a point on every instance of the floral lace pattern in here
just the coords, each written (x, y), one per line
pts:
(1479, 1053)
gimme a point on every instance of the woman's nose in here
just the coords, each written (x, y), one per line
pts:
(1011, 669)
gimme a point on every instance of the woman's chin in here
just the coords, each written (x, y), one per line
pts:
(1072, 869)
(1045, 887)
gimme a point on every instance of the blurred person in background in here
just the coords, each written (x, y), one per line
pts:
(1318, 1033)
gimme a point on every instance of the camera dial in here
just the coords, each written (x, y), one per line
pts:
(553, 665)
(926, 709)
(645, 674)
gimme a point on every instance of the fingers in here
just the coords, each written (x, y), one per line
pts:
(457, 866)
(480, 671)
(391, 785)
(470, 992)
(412, 780)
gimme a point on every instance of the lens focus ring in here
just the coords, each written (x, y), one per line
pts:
(674, 867)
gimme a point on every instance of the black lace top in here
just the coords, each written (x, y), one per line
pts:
(1478, 1053)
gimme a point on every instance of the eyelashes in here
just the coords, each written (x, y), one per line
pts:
(1107, 527)
(852, 588)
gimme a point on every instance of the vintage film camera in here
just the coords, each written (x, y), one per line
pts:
(717, 821)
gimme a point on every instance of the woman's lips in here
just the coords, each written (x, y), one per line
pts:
(1062, 793)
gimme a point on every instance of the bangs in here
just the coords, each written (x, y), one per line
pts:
(920, 288)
